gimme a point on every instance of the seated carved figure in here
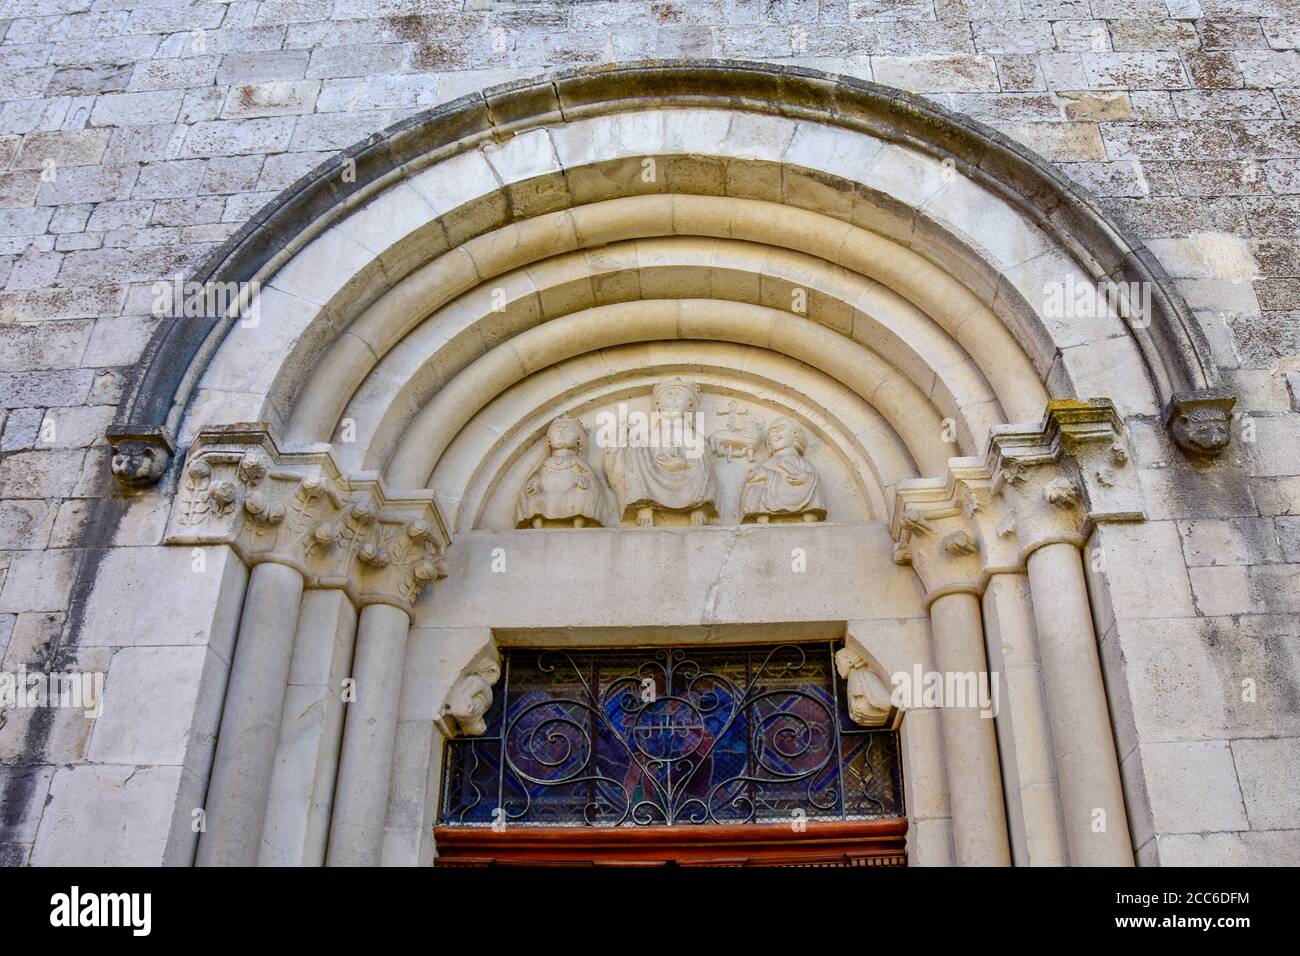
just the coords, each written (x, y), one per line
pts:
(563, 487)
(673, 476)
(785, 483)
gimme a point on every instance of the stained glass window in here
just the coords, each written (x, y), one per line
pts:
(670, 736)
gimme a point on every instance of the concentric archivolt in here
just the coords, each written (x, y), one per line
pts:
(902, 281)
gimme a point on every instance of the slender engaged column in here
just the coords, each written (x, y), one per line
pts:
(1024, 736)
(369, 739)
(1080, 718)
(250, 722)
(296, 830)
(970, 742)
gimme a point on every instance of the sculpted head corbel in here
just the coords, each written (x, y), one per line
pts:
(869, 697)
(1200, 423)
(140, 456)
(470, 698)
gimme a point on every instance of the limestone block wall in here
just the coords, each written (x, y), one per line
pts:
(135, 136)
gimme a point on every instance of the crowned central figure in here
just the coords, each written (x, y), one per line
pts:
(673, 471)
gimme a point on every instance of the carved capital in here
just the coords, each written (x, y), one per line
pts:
(935, 536)
(297, 508)
(140, 456)
(1200, 423)
(1036, 484)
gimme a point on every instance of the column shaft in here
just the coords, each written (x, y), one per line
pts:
(1024, 735)
(250, 721)
(970, 741)
(1082, 737)
(296, 830)
(369, 739)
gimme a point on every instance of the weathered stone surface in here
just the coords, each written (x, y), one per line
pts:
(117, 816)
(134, 141)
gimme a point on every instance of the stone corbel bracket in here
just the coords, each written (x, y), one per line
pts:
(470, 697)
(870, 698)
(140, 455)
(298, 509)
(1036, 484)
(1200, 423)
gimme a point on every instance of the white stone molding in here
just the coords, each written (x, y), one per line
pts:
(298, 509)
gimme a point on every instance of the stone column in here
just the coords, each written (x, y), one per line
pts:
(441, 674)
(302, 523)
(971, 748)
(296, 830)
(1096, 825)
(369, 739)
(937, 543)
(925, 787)
(1024, 737)
(1030, 502)
(250, 723)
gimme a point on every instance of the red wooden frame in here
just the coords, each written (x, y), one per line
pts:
(818, 843)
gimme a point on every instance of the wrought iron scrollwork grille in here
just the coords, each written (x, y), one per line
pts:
(670, 736)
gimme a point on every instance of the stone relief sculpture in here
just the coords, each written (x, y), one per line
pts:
(1201, 425)
(471, 696)
(742, 435)
(785, 483)
(563, 487)
(869, 699)
(674, 476)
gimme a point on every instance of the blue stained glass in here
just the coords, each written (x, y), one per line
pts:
(648, 736)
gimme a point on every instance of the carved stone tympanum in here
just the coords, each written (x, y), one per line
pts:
(786, 484)
(563, 488)
(741, 435)
(670, 473)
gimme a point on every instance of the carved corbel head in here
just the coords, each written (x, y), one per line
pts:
(1200, 423)
(869, 698)
(140, 456)
(470, 698)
